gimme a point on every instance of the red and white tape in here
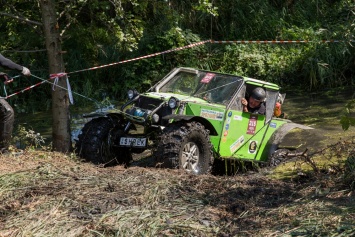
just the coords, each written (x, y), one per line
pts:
(142, 57)
(57, 75)
(213, 42)
(271, 41)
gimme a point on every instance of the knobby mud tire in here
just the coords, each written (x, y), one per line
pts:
(179, 136)
(94, 143)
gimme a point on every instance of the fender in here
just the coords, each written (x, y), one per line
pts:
(203, 121)
(279, 134)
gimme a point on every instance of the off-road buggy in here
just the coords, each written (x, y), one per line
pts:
(189, 119)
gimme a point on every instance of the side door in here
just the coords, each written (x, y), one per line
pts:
(244, 133)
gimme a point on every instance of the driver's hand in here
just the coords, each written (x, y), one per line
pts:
(244, 102)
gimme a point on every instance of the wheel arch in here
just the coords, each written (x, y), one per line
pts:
(114, 116)
(278, 135)
(199, 119)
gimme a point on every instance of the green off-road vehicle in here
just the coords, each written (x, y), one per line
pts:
(190, 120)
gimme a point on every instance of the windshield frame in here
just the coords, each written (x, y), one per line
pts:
(213, 87)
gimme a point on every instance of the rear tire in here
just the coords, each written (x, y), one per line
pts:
(185, 145)
(95, 143)
(278, 157)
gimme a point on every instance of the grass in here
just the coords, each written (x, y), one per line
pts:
(57, 195)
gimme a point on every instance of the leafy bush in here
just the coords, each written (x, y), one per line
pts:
(348, 119)
(28, 138)
(349, 173)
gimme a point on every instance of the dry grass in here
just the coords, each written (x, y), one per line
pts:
(49, 194)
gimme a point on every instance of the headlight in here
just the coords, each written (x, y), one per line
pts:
(130, 94)
(173, 102)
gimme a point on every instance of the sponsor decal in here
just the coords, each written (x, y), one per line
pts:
(211, 114)
(224, 139)
(225, 133)
(253, 146)
(208, 78)
(238, 117)
(273, 125)
(230, 114)
(236, 144)
(227, 126)
(228, 120)
(252, 124)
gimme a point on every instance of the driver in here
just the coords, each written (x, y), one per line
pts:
(255, 103)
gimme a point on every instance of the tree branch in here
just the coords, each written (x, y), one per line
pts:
(21, 18)
(70, 20)
(26, 51)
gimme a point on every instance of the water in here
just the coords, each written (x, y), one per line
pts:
(321, 110)
(41, 122)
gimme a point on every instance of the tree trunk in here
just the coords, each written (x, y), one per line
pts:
(60, 99)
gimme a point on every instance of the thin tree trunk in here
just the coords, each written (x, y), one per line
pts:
(60, 99)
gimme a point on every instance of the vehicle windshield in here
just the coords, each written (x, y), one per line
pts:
(210, 86)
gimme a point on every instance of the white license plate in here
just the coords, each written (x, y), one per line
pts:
(132, 141)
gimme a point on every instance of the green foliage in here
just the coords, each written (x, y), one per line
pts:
(348, 119)
(28, 138)
(100, 32)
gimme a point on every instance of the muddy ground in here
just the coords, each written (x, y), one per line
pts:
(49, 194)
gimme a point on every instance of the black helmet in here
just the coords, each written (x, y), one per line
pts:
(258, 94)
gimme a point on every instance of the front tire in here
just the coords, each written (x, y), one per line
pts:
(95, 143)
(185, 145)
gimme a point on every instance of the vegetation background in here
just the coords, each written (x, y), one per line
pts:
(44, 193)
(97, 33)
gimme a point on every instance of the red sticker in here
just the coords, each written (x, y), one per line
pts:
(252, 124)
(207, 78)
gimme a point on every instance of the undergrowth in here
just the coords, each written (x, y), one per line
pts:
(336, 160)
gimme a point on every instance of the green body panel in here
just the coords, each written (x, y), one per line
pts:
(236, 134)
(254, 148)
(245, 135)
(215, 114)
(272, 127)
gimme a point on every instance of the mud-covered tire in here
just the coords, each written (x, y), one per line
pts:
(185, 145)
(277, 157)
(94, 143)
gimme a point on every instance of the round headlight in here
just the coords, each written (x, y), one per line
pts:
(130, 94)
(172, 102)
